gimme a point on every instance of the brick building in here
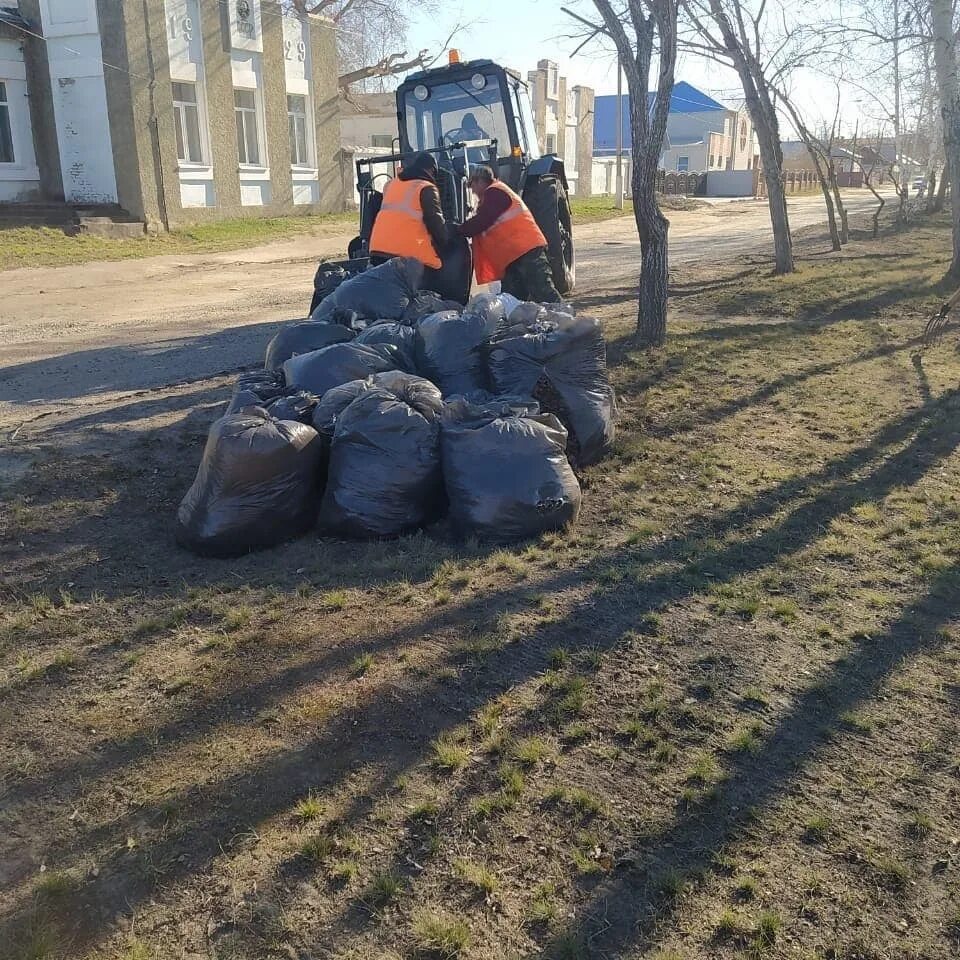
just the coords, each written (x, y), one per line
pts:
(172, 111)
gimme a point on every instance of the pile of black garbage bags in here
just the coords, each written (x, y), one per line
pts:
(389, 410)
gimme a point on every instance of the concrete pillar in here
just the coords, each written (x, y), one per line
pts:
(326, 99)
(584, 99)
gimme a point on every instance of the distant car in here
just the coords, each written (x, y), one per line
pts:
(920, 184)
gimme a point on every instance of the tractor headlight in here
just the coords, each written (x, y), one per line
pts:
(421, 92)
(478, 81)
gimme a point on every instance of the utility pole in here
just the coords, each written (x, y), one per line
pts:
(853, 152)
(896, 102)
(619, 135)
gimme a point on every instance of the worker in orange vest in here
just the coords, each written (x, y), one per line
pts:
(410, 222)
(507, 243)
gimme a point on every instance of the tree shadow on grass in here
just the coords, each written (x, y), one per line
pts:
(393, 733)
(626, 911)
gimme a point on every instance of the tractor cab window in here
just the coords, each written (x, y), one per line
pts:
(452, 112)
(525, 123)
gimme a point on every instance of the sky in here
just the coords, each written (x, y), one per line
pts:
(518, 33)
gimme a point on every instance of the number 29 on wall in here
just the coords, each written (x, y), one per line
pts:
(300, 47)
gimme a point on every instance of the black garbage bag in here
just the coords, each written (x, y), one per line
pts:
(298, 406)
(320, 370)
(425, 303)
(303, 336)
(395, 335)
(257, 486)
(493, 307)
(450, 349)
(561, 361)
(505, 469)
(380, 293)
(334, 402)
(384, 476)
(254, 389)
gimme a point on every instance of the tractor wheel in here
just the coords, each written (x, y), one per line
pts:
(550, 207)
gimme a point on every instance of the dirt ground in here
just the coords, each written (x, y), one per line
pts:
(717, 719)
(91, 337)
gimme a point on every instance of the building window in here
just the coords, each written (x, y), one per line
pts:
(186, 119)
(297, 116)
(6, 133)
(711, 161)
(551, 143)
(248, 136)
(683, 164)
(743, 135)
(381, 140)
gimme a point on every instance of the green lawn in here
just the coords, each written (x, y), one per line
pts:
(718, 718)
(593, 209)
(51, 247)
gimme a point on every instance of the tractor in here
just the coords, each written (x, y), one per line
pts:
(432, 105)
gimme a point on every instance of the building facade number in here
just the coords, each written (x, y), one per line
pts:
(296, 50)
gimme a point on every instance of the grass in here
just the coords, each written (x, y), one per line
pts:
(478, 876)
(309, 808)
(579, 801)
(362, 664)
(747, 740)
(450, 755)
(745, 448)
(817, 829)
(51, 247)
(530, 751)
(385, 887)
(440, 933)
(543, 907)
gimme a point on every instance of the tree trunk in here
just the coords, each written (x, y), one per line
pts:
(835, 241)
(841, 209)
(771, 160)
(941, 200)
(652, 228)
(945, 58)
(932, 191)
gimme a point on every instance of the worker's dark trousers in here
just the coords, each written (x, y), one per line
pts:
(530, 278)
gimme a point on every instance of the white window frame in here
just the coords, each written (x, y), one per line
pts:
(257, 112)
(5, 102)
(205, 152)
(686, 161)
(310, 162)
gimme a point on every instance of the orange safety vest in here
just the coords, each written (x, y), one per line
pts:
(513, 234)
(399, 230)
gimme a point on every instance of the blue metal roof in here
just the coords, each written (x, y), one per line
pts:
(685, 99)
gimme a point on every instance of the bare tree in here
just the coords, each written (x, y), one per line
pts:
(643, 28)
(945, 57)
(738, 34)
(820, 157)
(369, 33)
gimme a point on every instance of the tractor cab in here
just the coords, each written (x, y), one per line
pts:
(467, 114)
(462, 110)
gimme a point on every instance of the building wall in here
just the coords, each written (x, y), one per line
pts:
(72, 34)
(19, 178)
(114, 131)
(695, 153)
(366, 117)
(584, 113)
(563, 120)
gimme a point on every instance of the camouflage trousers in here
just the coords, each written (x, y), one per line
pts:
(530, 278)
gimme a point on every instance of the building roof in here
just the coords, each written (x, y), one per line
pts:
(686, 98)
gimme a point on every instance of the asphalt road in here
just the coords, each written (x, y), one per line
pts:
(88, 336)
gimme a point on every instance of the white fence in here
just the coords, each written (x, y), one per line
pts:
(730, 183)
(604, 176)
